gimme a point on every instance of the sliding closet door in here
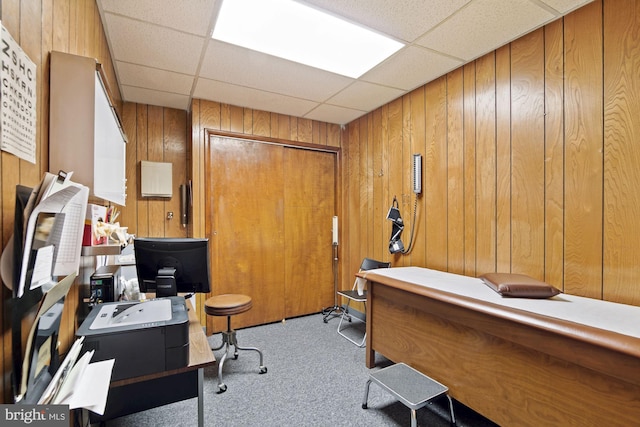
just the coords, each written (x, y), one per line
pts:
(309, 206)
(247, 226)
(269, 210)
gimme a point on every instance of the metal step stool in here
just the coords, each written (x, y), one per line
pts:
(411, 387)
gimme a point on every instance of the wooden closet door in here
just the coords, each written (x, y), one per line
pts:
(309, 206)
(247, 226)
(269, 209)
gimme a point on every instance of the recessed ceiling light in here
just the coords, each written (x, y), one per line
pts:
(303, 34)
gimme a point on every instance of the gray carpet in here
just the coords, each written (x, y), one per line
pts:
(315, 377)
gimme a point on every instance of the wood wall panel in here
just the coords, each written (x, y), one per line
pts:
(393, 176)
(485, 140)
(527, 154)
(380, 148)
(621, 153)
(454, 139)
(469, 196)
(434, 161)
(418, 132)
(349, 224)
(583, 151)
(155, 134)
(554, 154)
(366, 189)
(503, 158)
(549, 181)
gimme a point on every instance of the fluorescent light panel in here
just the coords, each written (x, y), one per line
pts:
(300, 33)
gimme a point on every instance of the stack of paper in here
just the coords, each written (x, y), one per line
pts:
(78, 383)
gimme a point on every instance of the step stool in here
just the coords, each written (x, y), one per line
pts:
(411, 387)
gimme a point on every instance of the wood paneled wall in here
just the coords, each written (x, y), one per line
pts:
(155, 134)
(530, 157)
(40, 26)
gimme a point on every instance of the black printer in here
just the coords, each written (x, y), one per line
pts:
(144, 337)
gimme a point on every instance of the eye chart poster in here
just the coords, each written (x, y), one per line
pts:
(17, 99)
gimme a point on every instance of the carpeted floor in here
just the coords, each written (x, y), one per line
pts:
(315, 378)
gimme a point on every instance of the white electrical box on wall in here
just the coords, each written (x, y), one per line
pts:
(156, 179)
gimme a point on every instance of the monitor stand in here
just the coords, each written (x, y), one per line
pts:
(166, 283)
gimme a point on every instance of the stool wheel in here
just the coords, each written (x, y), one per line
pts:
(263, 370)
(364, 406)
(222, 388)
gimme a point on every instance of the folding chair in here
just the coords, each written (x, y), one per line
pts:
(354, 295)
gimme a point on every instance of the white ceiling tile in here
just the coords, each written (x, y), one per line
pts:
(191, 16)
(403, 19)
(152, 97)
(247, 97)
(334, 114)
(253, 69)
(157, 47)
(153, 78)
(413, 66)
(564, 6)
(365, 96)
(484, 25)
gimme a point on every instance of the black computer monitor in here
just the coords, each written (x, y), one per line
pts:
(172, 265)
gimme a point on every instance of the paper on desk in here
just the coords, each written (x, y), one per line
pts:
(92, 387)
(360, 282)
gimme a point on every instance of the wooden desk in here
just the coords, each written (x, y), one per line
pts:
(515, 367)
(137, 394)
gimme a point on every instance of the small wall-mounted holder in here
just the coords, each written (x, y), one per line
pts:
(156, 179)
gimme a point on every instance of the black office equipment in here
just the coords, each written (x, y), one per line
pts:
(169, 265)
(105, 284)
(144, 337)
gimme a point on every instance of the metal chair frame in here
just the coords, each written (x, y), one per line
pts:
(353, 295)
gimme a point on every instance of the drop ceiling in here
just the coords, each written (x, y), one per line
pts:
(163, 53)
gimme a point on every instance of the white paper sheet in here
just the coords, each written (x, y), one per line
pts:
(73, 379)
(58, 197)
(93, 387)
(607, 315)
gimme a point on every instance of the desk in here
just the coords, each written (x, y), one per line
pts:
(515, 366)
(137, 394)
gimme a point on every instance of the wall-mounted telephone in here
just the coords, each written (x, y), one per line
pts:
(417, 173)
(395, 244)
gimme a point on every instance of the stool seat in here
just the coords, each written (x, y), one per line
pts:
(227, 304)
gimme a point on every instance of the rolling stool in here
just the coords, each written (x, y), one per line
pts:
(228, 305)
